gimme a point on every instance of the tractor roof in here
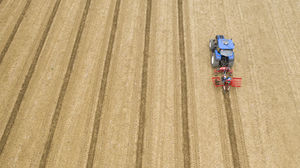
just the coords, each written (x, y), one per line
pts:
(225, 44)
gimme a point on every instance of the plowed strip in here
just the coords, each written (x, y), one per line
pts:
(226, 153)
(96, 126)
(231, 131)
(28, 77)
(243, 156)
(13, 33)
(64, 87)
(140, 141)
(184, 99)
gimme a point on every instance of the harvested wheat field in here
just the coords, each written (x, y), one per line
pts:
(127, 83)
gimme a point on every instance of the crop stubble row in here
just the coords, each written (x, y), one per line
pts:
(64, 87)
(97, 118)
(141, 128)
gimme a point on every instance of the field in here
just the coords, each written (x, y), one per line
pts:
(121, 83)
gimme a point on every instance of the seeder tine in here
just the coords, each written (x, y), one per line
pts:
(217, 81)
(236, 82)
(223, 69)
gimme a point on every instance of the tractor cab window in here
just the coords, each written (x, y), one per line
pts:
(226, 52)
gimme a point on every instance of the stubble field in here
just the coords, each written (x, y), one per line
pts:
(120, 83)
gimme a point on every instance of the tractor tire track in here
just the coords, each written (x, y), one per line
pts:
(141, 130)
(240, 131)
(96, 126)
(235, 127)
(184, 98)
(47, 147)
(231, 131)
(226, 153)
(15, 29)
(28, 77)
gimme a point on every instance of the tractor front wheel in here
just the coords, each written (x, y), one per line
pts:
(212, 45)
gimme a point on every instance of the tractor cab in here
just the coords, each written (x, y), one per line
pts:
(225, 44)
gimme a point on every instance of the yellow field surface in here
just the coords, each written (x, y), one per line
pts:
(127, 83)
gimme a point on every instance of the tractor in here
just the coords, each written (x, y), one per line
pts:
(222, 52)
(222, 60)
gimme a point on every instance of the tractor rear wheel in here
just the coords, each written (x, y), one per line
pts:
(214, 62)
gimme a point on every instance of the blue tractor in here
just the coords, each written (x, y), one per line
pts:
(222, 52)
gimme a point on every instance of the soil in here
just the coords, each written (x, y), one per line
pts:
(128, 84)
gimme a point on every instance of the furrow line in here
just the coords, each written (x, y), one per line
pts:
(140, 141)
(15, 29)
(96, 126)
(28, 77)
(231, 131)
(47, 147)
(184, 98)
(226, 153)
(244, 160)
